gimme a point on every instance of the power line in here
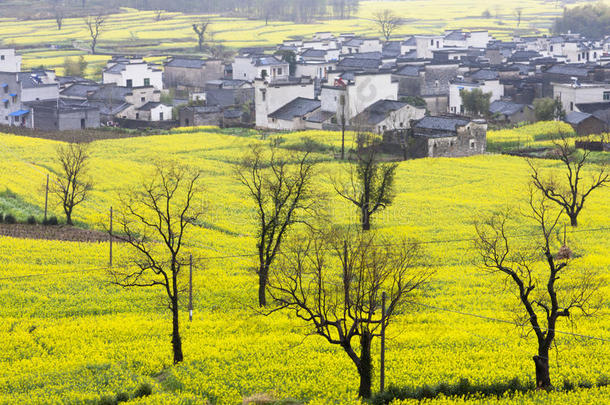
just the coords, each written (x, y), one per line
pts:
(489, 318)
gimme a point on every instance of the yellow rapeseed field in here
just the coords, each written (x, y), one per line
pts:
(68, 335)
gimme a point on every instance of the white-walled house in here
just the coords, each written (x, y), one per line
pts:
(314, 69)
(425, 44)
(9, 61)
(572, 94)
(456, 105)
(254, 67)
(387, 115)
(359, 91)
(128, 72)
(293, 115)
(271, 96)
(361, 45)
(153, 111)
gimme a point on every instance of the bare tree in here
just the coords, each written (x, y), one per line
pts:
(72, 185)
(58, 13)
(162, 209)
(158, 14)
(370, 183)
(541, 276)
(281, 188)
(95, 26)
(388, 22)
(335, 283)
(518, 13)
(571, 193)
(200, 30)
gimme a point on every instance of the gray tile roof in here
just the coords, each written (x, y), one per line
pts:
(357, 63)
(569, 70)
(149, 106)
(485, 74)
(79, 90)
(378, 111)
(505, 107)
(313, 53)
(409, 70)
(575, 117)
(267, 61)
(445, 124)
(296, 108)
(185, 63)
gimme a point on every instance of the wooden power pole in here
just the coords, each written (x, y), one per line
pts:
(110, 238)
(382, 354)
(46, 199)
(191, 288)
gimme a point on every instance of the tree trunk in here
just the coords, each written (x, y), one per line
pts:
(176, 340)
(366, 219)
(365, 369)
(573, 219)
(543, 376)
(263, 274)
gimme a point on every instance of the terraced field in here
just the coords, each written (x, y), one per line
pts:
(134, 31)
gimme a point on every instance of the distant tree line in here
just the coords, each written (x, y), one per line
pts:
(591, 20)
(291, 10)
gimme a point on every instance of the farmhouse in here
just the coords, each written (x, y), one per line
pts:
(132, 72)
(585, 124)
(449, 136)
(191, 75)
(387, 115)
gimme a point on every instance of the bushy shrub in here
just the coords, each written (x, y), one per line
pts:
(107, 400)
(51, 221)
(32, 220)
(10, 219)
(122, 397)
(143, 390)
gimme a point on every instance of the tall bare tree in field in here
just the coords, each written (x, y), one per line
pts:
(570, 190)
(58, 13)
(540, 274)
(334, 282)
(388, 22)
(200, 29)
(95, 25)
(280, 186)
(519, 13)
(72, 185)
(154, 220)
(370, 182)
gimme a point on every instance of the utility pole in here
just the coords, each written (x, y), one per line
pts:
(382, 355)
(46, 199)
(191, 288)
(110, 237)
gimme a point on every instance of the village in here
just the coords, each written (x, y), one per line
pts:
(416, 85)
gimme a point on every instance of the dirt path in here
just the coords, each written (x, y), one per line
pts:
(60, 232)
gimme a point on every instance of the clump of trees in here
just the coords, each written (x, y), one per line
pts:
(75, 66)
(548, 109)
(591, 20)
(475, 101)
